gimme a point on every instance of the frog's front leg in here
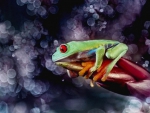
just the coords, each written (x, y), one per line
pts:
(100, 52)
(115, 53)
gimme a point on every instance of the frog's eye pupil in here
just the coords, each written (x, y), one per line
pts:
(63, 48)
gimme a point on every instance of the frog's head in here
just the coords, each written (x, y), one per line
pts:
(70, 52)
(65, 51)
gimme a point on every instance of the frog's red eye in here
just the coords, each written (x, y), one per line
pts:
(63, 48)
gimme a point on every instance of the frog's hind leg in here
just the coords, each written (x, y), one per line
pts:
(114, 53)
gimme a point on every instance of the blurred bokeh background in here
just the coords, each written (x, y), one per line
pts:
(30, 31)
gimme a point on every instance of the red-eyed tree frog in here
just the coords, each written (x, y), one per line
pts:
(109, 48)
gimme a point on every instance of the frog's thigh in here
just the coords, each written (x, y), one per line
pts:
(114, 53)
(117, 51)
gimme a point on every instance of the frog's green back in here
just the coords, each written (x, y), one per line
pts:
(90, 44)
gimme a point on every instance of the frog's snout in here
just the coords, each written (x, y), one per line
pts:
(53, 57)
